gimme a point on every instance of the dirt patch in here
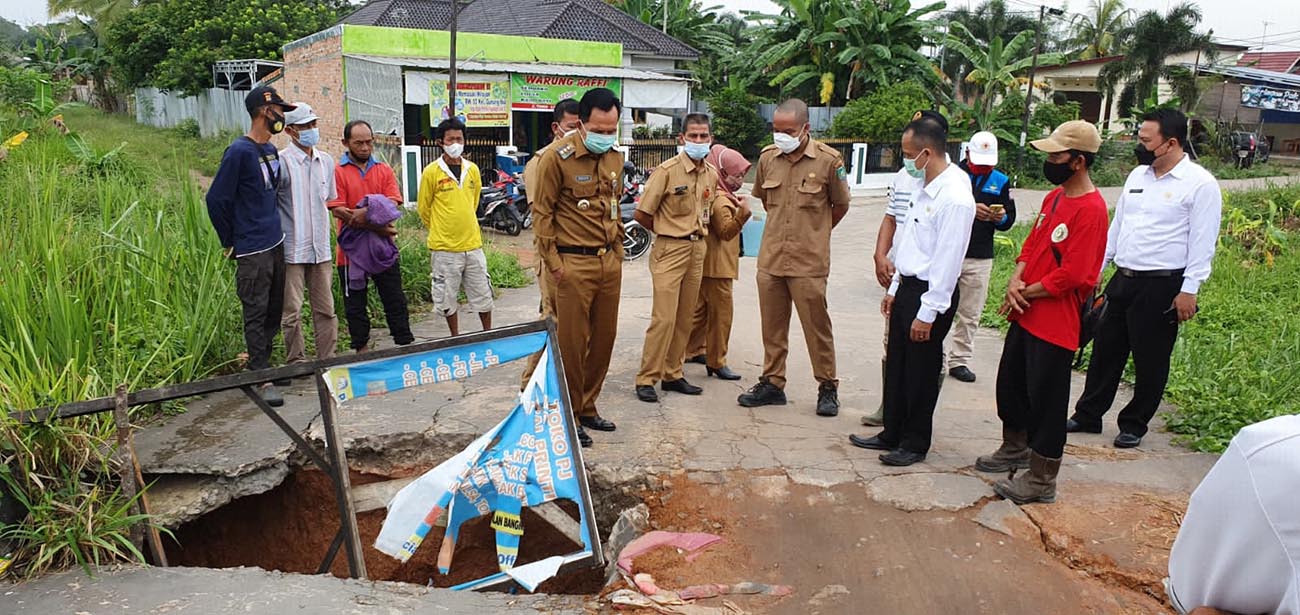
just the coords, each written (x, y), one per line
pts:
(1099, 453)
(290, 528)
(1112, 533)
(844, 553)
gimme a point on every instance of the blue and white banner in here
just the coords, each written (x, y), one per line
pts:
(525, 460)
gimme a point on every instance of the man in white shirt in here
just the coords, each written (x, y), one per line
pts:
(305, 187)
(1162, 242)
(922, 296)
(1238, 550)
(902, 189)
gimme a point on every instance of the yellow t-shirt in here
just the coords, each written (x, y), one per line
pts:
(449, 208)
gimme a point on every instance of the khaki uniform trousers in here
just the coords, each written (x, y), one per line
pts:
(545, 309)
(973, 287)
(775, 295)
(711, 331)
(585, 304)
(676, 267)
(318, 280)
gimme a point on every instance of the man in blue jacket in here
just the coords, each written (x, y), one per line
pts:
(242, 206)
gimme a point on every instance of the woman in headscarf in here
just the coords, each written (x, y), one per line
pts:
(713, 312)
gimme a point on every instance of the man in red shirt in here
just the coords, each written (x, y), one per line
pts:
(1056, 271)
(358, 175)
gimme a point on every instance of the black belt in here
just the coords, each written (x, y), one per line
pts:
(584, 251)
(691, 237)
(1153, 273)
(911, 279)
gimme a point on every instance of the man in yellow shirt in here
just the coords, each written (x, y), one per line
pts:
(448, 205)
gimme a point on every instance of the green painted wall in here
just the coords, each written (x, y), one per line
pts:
(411, 43)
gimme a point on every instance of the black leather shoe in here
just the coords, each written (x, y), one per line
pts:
(762, 394)
(723, 373)
(598, 423)
(901, 458)
(645, 392)
(874, 443)
(583, 438)
(962, 373)
(1073, 426)
(828, 400)
(1127, 440)
(680, 385)
(699, 358)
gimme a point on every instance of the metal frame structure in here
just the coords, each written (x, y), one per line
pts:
(334, 462)
(241, 74)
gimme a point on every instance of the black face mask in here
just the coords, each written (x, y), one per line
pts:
(275, 123)
(1144, 155)
(1057, 172)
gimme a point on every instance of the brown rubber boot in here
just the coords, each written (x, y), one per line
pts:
(877, 418)
(1036, 485)
(1012, 455)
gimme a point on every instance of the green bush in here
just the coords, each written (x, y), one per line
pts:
(882, 116)
(736, 122)
(187, 129)
(18, 86)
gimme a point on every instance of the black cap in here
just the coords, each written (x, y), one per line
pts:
(263, 95)
(934, 115)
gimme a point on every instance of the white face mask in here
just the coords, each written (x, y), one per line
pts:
(454, 149)
(785, 142)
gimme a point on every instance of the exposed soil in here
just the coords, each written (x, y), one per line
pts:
(844, 553)
(290, 528)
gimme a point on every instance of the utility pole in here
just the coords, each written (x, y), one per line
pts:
(1263, 36)
(665, 24)
(451, 81)
(1029, 95)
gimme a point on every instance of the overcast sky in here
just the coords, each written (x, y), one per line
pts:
(1233, 20)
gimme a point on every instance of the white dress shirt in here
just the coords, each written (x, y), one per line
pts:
(1170, 222)
(1239, 546)
(304, 190)
(932, 242)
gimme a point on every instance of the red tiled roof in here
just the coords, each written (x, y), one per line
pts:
(1277, 61)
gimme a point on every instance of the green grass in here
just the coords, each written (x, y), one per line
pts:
(1232, 365)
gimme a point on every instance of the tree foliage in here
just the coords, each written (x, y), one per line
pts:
(736, 122)
(881, 117)
(986, 22)
(1155, 38)
(1102, 31)
(172, 44)
(996, 68)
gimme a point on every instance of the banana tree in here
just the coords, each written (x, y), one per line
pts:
(879, 43)
(997, 66)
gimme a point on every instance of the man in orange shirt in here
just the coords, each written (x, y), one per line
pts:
(358, 175)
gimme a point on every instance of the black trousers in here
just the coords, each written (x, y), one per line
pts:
(389, 286)
(912, 369)
(1138, 323)
(1033, 390)
(259, 283)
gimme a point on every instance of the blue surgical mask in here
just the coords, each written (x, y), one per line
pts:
(697, 151)
(309, 137)
(598, 143)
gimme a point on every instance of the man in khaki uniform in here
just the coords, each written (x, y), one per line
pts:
(802, 186)
(580, 240)
(711, 331)
(564, 121)
(676, 206)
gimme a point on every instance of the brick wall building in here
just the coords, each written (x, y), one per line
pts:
(316, 78)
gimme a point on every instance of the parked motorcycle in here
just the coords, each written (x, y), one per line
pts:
(636, 238)
(496, 210)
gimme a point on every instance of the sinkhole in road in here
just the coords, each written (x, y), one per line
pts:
(290, 528)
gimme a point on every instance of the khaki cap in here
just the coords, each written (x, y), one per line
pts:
(1073, 135)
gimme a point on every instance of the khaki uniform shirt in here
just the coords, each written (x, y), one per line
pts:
(722, 258)
(530, 173)
(798, 197)
(576, 199)
(680, 195)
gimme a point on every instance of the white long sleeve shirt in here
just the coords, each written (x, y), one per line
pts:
(1239, 545)
(1169, 222)
(306, 185)
(932, 241)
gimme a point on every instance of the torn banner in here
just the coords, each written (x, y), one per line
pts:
(527, 459)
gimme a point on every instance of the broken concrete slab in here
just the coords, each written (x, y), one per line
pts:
(176, 499)
(207, 591)
(942, 491)
(1005, 517)
(631, 523)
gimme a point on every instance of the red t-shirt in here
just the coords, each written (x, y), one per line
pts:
(1076, 228)
(355, 183)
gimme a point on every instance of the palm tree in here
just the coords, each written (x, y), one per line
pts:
(1155, 38)
(988, 21)
(101, 11)
(997, 66)
(880, 46)
(1102, 31)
